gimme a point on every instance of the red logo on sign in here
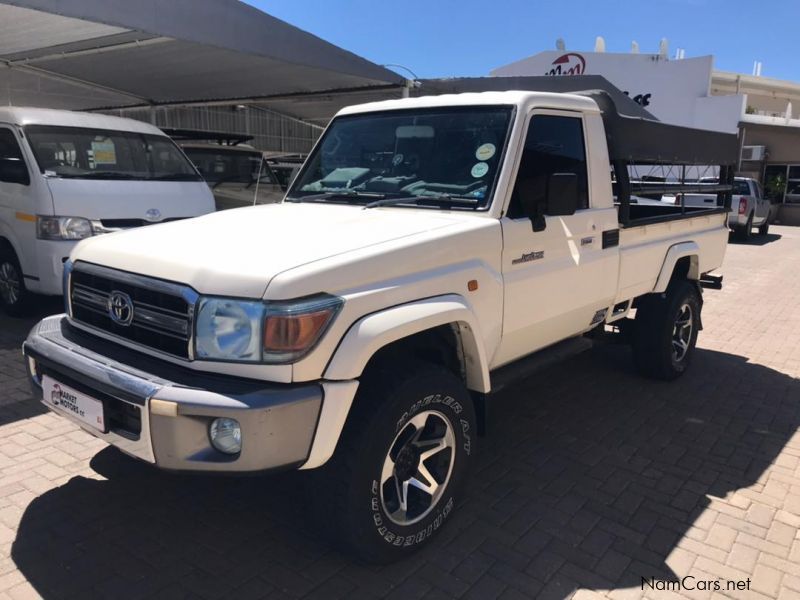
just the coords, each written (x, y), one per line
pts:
(568, 64)
(55, 395)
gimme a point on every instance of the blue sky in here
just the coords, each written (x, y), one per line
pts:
(442, 38)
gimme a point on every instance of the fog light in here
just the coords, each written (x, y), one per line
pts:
(226, 435)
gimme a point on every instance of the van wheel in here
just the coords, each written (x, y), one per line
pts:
(763, 229)
(13, 294)
(665, 331)
(398, 471)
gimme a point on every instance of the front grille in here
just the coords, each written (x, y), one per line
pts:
(128, 223)
(162, 312)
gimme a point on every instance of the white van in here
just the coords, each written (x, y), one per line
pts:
(65, 176)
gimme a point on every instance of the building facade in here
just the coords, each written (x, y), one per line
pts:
(689, 92)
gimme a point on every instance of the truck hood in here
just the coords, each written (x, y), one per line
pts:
(101, 199)
(237, 252)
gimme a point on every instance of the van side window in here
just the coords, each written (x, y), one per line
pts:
(12, 165)
(554, 144)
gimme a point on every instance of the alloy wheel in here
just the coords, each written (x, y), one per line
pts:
(417, 467)
(682, 332)
(9, 283)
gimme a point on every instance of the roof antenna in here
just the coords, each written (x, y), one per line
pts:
(634, 47)
(599, 44)
(663, 48)
(560, 45)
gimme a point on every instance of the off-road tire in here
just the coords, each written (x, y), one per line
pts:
(15, 303)
(348, 488)
(656, 351)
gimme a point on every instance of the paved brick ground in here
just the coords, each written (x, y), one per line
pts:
(592, 478)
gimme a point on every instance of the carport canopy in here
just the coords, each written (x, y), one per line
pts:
(100, 54)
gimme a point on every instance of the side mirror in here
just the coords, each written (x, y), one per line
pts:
(13, 170)
(562, 194)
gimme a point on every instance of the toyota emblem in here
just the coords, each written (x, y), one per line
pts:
(120, 308)
(152, 214)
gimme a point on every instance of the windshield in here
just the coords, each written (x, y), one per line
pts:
(221, 165)
(80, 153)
(415, 154)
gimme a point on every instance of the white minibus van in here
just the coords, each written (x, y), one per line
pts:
(65, 176)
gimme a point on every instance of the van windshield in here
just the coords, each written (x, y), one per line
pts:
(420, 155)
(81, 153)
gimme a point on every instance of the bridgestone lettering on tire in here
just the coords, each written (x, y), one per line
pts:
(399, 468)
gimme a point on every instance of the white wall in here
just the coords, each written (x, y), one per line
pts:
(669, 89)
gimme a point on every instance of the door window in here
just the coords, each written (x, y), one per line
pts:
(12, 165)
(553, 144)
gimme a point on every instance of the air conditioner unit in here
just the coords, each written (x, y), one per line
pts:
(754, 152)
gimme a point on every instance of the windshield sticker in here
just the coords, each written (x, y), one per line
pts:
(485, 151)
(104, 153)
(397, 159)
(479, 170)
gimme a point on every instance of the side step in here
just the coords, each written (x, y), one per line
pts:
(527, 365)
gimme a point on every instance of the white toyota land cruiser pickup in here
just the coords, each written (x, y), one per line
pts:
(429, 248)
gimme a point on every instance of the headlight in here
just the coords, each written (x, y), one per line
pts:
(293, 328)
(63, 228)
(229, 329)
(269, 332)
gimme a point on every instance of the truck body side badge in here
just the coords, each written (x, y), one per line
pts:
(528, 257)
(587, 241)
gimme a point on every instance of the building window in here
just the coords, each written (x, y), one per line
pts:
(793, 185)
(775, 182)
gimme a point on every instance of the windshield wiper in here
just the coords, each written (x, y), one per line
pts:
(99, 175)
(437, 200)
(175, 177)
(352, 195)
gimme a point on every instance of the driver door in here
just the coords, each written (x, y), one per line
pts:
(557, 279)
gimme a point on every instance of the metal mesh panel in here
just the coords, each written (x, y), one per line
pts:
(271, 131)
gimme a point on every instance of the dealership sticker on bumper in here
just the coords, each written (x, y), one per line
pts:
(73, 402)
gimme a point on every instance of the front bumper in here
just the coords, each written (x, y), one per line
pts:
(161, 413)
(51, 256)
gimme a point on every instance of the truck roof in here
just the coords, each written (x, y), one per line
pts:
(519, 98)
(19, 115)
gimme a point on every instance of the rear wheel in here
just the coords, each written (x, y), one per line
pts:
(400, 465)
(665, 331)
(14, 297)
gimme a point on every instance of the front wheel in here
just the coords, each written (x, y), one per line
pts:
(400, 466)
(665, 331)
(14, 296)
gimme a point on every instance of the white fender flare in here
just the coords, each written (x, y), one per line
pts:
(371, 333)
(674, 254)
(377, 330)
